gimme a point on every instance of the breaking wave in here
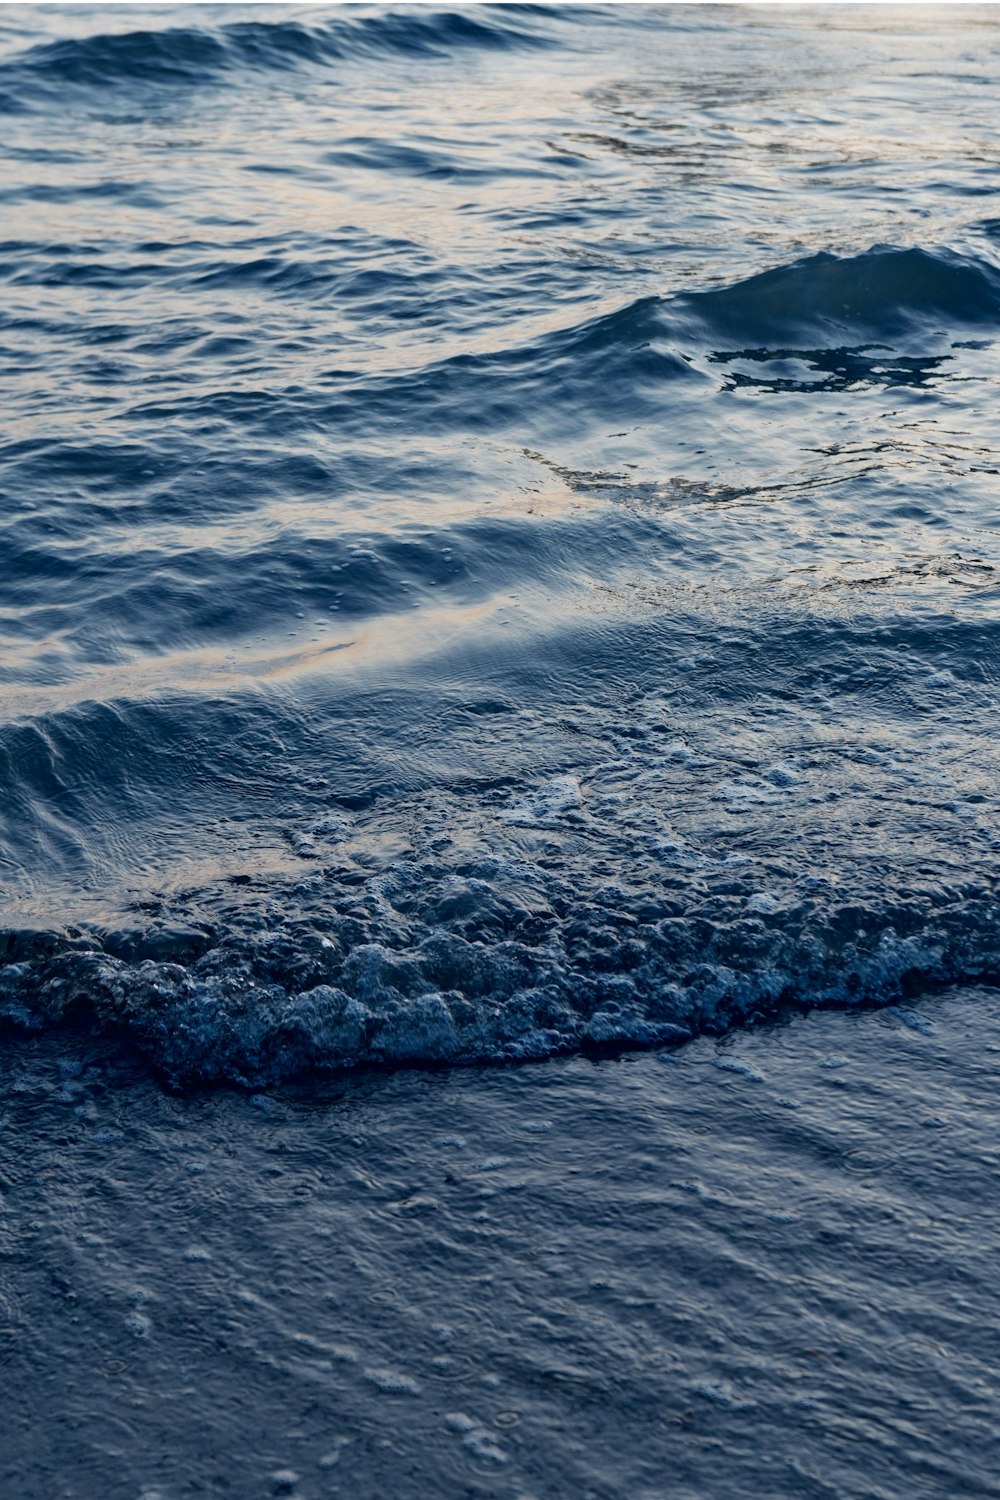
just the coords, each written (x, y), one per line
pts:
(467, 596)
(491, 961)
(665, 882)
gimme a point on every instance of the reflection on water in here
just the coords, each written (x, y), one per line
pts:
(498, 564)
(837, 369)
(558, 441)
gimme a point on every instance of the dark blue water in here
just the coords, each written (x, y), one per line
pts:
(766, 1267)
(498, 523)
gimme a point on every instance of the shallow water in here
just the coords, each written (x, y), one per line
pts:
(500, 564)
(758, 1267)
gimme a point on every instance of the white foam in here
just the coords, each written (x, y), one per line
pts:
(782, 774)
(763, 903)
(551, 800)
(330, 826)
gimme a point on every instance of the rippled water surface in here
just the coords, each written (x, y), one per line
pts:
(499, 560)
(499, 525)
(762, 1267)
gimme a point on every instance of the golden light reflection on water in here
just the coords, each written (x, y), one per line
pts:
(389, 641)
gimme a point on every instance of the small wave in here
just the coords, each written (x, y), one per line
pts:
(889, 317)
(363, 457)
(883, 294)
(616, 365)
(668, 890)
(257, 1009)
(186, 57)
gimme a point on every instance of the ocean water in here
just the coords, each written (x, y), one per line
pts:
(499, 565)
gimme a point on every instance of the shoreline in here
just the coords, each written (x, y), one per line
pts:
(416, 1283)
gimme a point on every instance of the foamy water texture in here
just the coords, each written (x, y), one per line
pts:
(499, 525)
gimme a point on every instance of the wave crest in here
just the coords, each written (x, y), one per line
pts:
(187, 56)
(497, 966)
(883, 293)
